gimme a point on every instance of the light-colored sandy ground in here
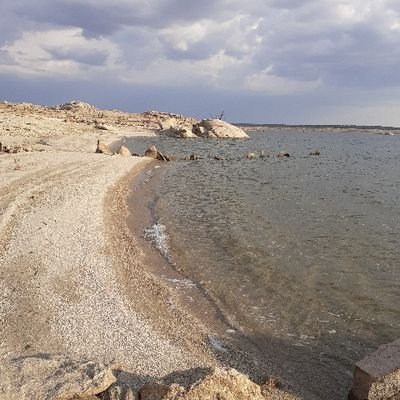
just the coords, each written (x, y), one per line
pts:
(58, 287)
(71, 280)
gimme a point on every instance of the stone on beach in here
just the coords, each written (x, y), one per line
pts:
(102, 148)
(118, 392)
(124, 151)
(152, 152)
(45, 376)
(220, 384)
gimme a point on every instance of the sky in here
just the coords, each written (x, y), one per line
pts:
(270, 61)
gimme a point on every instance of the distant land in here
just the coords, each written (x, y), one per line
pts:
(317, 126)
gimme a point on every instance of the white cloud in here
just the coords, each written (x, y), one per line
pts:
(59, 52)
(270, 84)
(313, 45)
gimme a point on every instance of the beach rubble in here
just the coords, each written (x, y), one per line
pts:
(44, 376)
(56, 377)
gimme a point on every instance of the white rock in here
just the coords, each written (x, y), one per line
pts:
(216, 128)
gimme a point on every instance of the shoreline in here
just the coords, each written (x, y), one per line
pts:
(230, 347)
(72, 282)
(78, 280)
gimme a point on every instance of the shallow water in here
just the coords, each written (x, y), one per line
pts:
(303, 250)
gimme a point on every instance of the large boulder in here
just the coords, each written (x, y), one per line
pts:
(167, 123)
(216, 128)
(54, 377)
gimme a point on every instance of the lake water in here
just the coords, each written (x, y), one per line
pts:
(301, 251)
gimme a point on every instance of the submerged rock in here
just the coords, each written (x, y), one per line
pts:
(283, 153)
(192, 157)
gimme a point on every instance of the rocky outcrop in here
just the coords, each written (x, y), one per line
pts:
(177, 128)
(54, 377)
(75, 105)
(183, 132)
(216, 128)
(220, 384)
(14, 149)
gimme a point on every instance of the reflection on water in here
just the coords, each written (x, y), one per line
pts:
(305, 248)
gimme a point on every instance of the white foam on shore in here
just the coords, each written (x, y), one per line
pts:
(216, 344)
(157, 234)
(182, 283)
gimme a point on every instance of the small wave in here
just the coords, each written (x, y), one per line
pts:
(182, 283)
(157, 234)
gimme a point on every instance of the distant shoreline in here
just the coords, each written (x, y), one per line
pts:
(247, 125)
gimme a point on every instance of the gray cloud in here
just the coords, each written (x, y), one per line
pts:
(83, 56)
(298, 49)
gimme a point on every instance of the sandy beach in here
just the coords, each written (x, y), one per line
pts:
(73, 281)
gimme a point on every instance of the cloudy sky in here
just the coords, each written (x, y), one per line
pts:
(291, 61)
